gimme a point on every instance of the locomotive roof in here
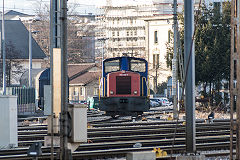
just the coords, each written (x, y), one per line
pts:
(109, 59)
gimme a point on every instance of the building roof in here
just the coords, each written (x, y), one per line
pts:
(15, 13)
(85, 78)
(16, 38)
(78, 69)
(82, 74)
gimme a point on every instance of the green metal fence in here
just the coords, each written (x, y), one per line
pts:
(25, 99)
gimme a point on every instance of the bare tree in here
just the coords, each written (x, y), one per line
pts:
(80, 33)
(14, 69)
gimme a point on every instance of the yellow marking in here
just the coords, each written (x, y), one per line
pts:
(104, 86)
(159, 152)
(169, 118)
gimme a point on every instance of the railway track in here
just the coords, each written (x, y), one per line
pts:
(120, 149)
(119, 138)
(114, 131)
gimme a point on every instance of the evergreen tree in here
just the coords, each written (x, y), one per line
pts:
(212, 46)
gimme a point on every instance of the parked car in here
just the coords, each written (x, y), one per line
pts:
(154, 102)
(82, 102)
(164, 101)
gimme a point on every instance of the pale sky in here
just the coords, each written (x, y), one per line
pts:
(85, 6)
(27, 6)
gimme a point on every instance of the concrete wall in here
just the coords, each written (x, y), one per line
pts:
(8, 122)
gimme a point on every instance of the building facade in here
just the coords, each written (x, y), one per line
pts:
(83, 81)
(17, 51)
(140, 30)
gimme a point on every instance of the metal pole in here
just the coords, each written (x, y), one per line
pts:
(54, 30)
(64, 108)
(30, 56)
(175, 64)
(4, 52)
(189, 66)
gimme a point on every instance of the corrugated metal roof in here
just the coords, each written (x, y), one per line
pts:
(16, 37)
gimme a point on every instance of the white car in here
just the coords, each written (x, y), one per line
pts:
(165, 102)
(154, 103)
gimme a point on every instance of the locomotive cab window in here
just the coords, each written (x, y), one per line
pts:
(112, 66)
(137, 66)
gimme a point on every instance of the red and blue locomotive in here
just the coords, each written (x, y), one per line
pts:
(125, 90)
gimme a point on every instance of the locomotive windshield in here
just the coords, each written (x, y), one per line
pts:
(137, 65)
(111, 66)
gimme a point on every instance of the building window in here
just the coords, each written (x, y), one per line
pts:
(235, 38)
(113, 33)
(155, 37)
(75, 91)
(118, 33)
(127, 33)
(135, 33)
(81, 91)
(235, 69)
(131, 33)
(96, 91)
(131, 21)
(156, 61)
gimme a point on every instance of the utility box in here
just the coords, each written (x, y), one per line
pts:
(8, 122)
(47, 100)
(78, 122)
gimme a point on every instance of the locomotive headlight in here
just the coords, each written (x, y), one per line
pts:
(111, 92)
(135, 92)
